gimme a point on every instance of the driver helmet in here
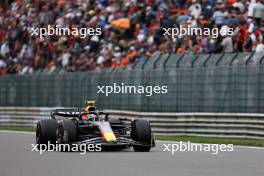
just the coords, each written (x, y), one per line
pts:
(89, 106)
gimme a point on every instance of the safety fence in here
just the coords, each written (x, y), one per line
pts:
(230, 125)
(195, 83)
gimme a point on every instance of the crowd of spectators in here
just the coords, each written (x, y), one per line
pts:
(22, 53)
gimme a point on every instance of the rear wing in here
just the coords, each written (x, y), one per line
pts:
(65, 113)
(74, 112)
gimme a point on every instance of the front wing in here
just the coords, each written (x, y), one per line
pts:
(120, 142)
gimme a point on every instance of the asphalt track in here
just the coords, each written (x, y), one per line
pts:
(17, 159)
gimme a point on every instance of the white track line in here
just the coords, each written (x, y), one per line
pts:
(237, 146)
(17, 132)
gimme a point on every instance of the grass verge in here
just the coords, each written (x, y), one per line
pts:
(213, 140)
(17, 128)
(208, 140)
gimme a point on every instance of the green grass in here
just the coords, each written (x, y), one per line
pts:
(17, 128)
(208, 140)
(213, 140)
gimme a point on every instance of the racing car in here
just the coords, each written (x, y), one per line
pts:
(89, 126)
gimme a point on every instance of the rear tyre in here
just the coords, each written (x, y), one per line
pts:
(67, 132)
(46, 131)
(141, 132)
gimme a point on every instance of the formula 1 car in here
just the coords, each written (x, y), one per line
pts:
(95, 127)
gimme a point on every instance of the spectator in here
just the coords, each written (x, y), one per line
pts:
(117, 47)
(260, 46)
(258, 12)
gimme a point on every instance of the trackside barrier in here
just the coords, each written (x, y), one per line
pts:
(229, 125)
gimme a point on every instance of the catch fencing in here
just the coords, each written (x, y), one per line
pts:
(195, 83)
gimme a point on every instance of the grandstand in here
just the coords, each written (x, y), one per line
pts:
(120, 46)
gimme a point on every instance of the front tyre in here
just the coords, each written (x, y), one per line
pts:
(141, 132)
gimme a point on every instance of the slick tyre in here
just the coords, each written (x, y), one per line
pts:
(141, 132)
(46, 131)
